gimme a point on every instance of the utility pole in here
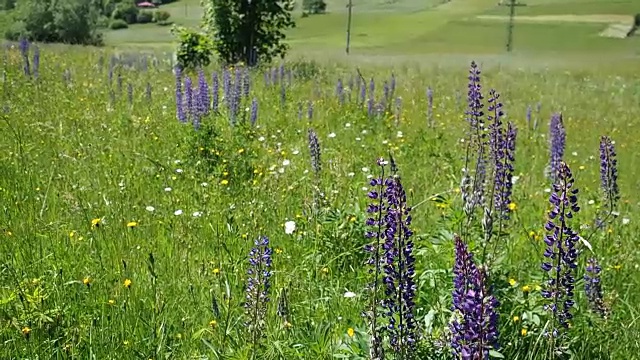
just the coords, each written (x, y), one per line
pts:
(512, 13)
(349, 6)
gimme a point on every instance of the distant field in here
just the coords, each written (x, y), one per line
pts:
(575, 7)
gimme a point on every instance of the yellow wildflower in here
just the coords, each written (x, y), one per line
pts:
(224, 182)
(86, 281)
(287, 324)
(325, 270)
(213, 323)
(26, 331)
(617, 267)
(352, 219)
(581, 167)
(240, 151)
(512, 282)
(523, 332)
(111, 302)
(279, 251)
(216, 271)
(513, 206)
(96, 222)
(350, 332)
(132, 224)
(516, 318)
(127, 283)
(526, 288)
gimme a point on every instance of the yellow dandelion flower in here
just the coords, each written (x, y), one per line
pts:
(216, 271)
(523, 332)
(283, 153)
(516, 318)
(512, 282)
(245, 235)
(325, 270)
(617, 267)
(352, 218)
(225, 174)
(513, 206)
(127, 283)
(532, 234)
(111, 302)
(72, 233)
(224, 182)
(351, 332)
(581, 167)
(96, 222)
(132, 224)
(213, 323)
(279, 251)
(86, 281)
(26, 331)
(526, 288)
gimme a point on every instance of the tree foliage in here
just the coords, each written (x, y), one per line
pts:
(314, 6)
(195, 49)
(249, 31)
(66, 21)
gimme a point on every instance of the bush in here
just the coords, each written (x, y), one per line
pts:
(195, 49)
(314, 6)
(126, 11)
(636, 20)
(144, 17)
(161, 16)
(118, 24)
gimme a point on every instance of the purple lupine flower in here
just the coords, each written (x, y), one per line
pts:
(561, 254)
(363, 92)
(188, 96)
(386, 93)
(351, 88)
(180, 111)
(310, 110)
(148, 92)
(283, 95)
(24, 50)
(593, 288)
(36, 62)
(258, 286)
(609, 172)
(215, 91)
(475, 326)
(473, 186)
(314, 151)
(370, 106)
(246, 83)
(502, 151)
(203, 100)
(393, 263)
(226, 87)
(557, 140)
(340, 92)
(430, 106)
(282, 72)
(130, 93)
(254, 112)
(393, 84)
(274, 75)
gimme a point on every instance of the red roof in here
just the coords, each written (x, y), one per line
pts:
(146, 4)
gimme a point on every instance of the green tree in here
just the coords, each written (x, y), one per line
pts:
(314, 6)
(66, 21)
(251, 31)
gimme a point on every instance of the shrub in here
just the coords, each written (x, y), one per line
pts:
(126, 11)
(161, 16)
(144, 17)
(636, 20)
(195, 49)
(118, 24)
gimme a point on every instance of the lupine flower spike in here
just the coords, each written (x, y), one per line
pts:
(258, 286)
(593, 288)
(557, 138)
(609, 172)
(392, 266)
(474, 329)
(560, 254)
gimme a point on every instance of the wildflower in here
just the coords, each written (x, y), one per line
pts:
(523, 332)
(177, 212)
(87, 281)
(609, 172)
(26, 331)
(132, 224)
(593, 288)
(349, 294)
(213, 323)
(314, 150)
(216, 271)
(512, 206)
(258, 286)
(127, 283)
(150, 208)
(392, 263)
(96, 223)
(560, 253)
(516, 318)
(526, 289)
(325, 270)
(279, 251)
(289, 227)
(557, 138)
(287, 324)
(351, 332)
(111, 302)
(475, 327)
(512, 282)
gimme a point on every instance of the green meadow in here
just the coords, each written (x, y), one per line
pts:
(125, 233)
